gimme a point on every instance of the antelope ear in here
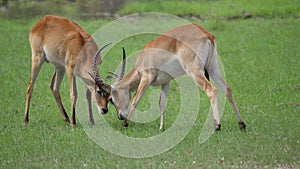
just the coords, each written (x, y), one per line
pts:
(113, 91)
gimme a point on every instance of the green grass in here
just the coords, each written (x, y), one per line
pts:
(216, 9)
(261, 62)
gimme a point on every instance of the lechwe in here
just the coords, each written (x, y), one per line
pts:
(188, 49)
(70, 49)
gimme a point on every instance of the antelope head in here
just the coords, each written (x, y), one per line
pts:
(102, 94)
(104, 90)
(120, 92)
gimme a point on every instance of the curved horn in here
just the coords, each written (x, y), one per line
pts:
(122, 72)
(96, 75)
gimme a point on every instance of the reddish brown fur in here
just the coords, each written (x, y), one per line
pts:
(210, 36)
(187, 49)
(172, 39)
(70, 49)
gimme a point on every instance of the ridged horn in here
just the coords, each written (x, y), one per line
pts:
(122, 72)
(95, 74)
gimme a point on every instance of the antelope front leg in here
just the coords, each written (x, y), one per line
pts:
(88, 98)
(73, 95)
(54, 86)
(144, 83)
(163, 102)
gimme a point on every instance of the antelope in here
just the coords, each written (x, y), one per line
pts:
(70, 49)
(188, 49)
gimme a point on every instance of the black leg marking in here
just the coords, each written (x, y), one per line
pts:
(206, 74)
(218, 127)
(242, 126)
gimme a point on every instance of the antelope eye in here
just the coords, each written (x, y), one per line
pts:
(104, 94)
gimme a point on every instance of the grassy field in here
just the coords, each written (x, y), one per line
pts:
(261, 61)
(216, 9)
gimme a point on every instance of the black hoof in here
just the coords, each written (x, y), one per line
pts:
(104, 111)
(218, 127)
(242, 126)
(125, 124)
(120, 117)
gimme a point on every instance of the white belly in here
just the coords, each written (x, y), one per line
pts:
(168, 71)
(52, 58)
